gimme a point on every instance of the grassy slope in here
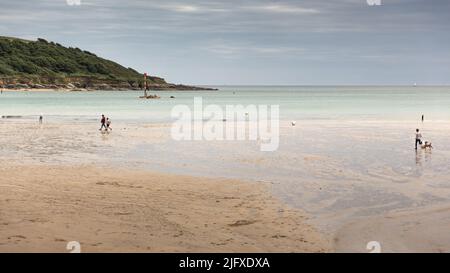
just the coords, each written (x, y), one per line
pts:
(47, 62)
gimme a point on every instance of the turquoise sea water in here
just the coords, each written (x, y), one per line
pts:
(295, 102)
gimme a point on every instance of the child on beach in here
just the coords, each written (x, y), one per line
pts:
(108, 124)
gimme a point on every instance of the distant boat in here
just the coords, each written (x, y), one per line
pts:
(415, 84)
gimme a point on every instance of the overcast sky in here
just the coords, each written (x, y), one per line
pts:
(265, 42)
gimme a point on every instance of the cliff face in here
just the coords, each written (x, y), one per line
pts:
(47, 65)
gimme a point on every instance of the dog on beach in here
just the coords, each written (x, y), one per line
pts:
(427, 145)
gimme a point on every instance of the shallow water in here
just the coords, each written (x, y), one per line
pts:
(305, 103)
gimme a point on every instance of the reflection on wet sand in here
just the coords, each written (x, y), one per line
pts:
(423, 155)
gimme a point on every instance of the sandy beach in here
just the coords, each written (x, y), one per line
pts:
(345, 180)
(106, 210)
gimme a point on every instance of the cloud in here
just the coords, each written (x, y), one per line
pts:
(189, 8)
(184, 8)
(237, 51)
(221, 7)
(279, 8)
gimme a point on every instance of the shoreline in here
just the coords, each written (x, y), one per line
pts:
(6, 90)
(42, 90)
(44, 207)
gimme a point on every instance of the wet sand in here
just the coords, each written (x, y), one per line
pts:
(423, 230)
(366, 185)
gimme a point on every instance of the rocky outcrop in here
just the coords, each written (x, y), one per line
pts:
(77, 86)
(180, 87)
(16, 86)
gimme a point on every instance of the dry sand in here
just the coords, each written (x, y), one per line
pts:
(44, 207)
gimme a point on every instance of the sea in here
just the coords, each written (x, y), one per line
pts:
(295, 102)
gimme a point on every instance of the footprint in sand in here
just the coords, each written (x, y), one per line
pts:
(116, 184)
(17, 236)
(122, 213)
(242, 223)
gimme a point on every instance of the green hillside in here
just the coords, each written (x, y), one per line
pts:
(45, 62)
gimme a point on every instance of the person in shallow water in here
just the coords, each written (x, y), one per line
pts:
(418, 137)
(103, 122)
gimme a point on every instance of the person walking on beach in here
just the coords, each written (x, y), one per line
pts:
(41, 118)
(418, 138)
(108, 124)
(103, 121)
(423, 118)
